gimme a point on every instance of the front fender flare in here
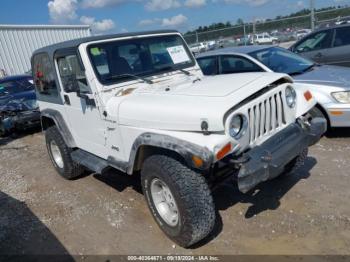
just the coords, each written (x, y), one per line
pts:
(184, 148)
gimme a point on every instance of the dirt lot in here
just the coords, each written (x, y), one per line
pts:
(41, 213)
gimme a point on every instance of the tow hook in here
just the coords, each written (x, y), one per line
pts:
(240, 161)
(267, 158)
(304, 122)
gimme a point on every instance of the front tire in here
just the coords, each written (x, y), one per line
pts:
(59, 154)
(179, 199)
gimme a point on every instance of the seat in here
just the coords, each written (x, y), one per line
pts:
(118, 65)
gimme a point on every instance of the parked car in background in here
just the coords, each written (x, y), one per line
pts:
(302, 33)
(284, 36)
(197, 48)
(211, 45)
(18, 105)
(329, 84)
(326, 46)
(222, 43)
(264, 38)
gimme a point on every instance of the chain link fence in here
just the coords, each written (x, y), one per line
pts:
(285, 29)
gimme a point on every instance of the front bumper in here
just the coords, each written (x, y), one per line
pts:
(268, 160)
(20, 121)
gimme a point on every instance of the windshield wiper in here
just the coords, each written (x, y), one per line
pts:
(166, 68)
(129, 76)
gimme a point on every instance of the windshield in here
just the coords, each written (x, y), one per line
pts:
(139, 57)
(282, 61)
(15, 86)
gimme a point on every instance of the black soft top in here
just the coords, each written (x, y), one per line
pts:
(51, 49)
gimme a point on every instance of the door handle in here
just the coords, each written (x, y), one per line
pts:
(66, 100)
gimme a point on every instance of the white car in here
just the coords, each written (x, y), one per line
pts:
(198, 48)
(140, 103)
(264, 38)
(329, 84)
(302, 33)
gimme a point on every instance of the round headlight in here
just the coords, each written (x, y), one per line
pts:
(291, 96)
(236, 125)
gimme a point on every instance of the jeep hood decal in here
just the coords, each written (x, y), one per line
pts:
(183, 107)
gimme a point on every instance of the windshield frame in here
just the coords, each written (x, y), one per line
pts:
(311, 64)
(109, 83)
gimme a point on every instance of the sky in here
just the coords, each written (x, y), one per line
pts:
(113, 16)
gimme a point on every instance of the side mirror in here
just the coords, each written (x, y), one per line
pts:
(70, 84)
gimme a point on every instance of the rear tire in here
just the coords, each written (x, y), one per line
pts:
(189, 196)
(59, 154)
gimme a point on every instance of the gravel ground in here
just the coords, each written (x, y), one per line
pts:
(40, 213)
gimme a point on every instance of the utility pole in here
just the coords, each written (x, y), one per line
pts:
(312, 8)
(196, 36)
(245, 38)
(254, 30)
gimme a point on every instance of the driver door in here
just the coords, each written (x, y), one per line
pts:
(84, 117)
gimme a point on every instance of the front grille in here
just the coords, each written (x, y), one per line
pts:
(266, 117)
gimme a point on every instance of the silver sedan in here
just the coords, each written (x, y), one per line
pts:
(329, 84)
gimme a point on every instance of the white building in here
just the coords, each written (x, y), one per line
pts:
(17, 43)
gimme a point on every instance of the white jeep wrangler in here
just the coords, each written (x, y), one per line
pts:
(139, 103)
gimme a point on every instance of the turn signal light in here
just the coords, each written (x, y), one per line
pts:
(197, 161)
(308, 95)
(224, 151)
(336, 113)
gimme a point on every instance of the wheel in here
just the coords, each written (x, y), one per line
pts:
(179, 199)
(297, 162)
(59, 154)
(274, 42)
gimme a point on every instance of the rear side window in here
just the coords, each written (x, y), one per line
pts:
(342, 36)
(44, 75)
(235, 64)
(208, 65)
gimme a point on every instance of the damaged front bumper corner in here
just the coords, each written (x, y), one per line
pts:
(268, 160)
(19, 121)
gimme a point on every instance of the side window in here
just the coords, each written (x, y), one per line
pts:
(208, 65)
(342, 36)
(44, 75)
(71, 74)
(317, 41)
(235, 64)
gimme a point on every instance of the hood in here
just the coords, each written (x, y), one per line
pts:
(326, 75)
(18, 102)
(207, 86)
(183, 106)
